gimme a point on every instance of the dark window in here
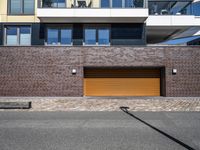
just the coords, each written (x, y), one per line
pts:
(90, 36)
(116, 3)
(103, 36)
(18, 35)
(59, 36)
(129, 3)
(25, 35)
(66, 36)
(126, 31)
(28, 6)
(52, 36)
(11, 36)
(97, 35)
(196, 8)
(17, 7)
(54, 3)
(170, 7)
(105, 3)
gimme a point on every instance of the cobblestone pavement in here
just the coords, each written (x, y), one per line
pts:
(108, 103)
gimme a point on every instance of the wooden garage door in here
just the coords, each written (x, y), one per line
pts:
(121, 82)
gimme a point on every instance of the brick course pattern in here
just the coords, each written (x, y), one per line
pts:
(46, 71)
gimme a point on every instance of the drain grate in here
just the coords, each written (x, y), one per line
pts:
(15, 105)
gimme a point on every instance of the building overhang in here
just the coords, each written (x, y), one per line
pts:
(173, 21)
(161, 28)
(137, 15)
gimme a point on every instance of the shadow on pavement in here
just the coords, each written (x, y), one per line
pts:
(125, 109)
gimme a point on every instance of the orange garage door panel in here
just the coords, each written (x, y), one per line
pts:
(122, 86)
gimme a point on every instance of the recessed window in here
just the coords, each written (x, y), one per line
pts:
(97, 36)
(17, 35)
(129, 3)
(117, 3)
(17, 7)
(103, 36)
(11, 36)
(59, 36)
(25, 36)
(90, 36)
(66, 36)
(105, 3)
(54, 3)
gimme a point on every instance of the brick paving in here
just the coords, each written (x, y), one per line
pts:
(108, 103)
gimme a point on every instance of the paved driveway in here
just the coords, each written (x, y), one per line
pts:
(99, 130)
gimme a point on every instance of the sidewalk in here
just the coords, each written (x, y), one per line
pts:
(108, 103)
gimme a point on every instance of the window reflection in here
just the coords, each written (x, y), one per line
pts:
(59, 36)
(90, 36)
(18, 35)
(103, 37)
(170, 7)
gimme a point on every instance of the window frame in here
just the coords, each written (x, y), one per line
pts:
(97, 27)
(59, 34)
(123, 4)
(21, 7)
(110, 4)
(18, 34)
(65, 6)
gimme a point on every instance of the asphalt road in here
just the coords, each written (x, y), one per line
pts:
(99, 130)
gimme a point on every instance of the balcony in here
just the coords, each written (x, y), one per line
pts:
(169, 18)
(173, 13)
(170, 7)
(84, 11)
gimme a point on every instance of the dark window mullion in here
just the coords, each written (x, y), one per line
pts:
(97, 39)
(18, 35)
(59, 36)
(22, 6)
(56, 3)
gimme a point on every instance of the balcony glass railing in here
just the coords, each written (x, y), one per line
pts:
(92, 3)
(170, 7)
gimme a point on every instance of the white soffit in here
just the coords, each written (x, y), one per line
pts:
(173, 20)
(85, 15)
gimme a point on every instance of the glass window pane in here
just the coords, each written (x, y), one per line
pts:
(25, 36)
(196, 8)
(29, 6)
(53, 3)
(105, 4)
(66, 36)
(61, 3)
(52, 36)
(11, 36)
(15, 7)
(126, 31)
(103, 36)
(117, 3)
(47, 3)
(90, 36)
(129, 3)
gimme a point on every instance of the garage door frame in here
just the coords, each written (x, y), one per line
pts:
(161, 68)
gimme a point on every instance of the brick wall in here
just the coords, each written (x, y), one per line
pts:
(46, 71)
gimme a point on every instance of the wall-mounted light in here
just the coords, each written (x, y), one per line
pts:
(174, 71)
(74, 71)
